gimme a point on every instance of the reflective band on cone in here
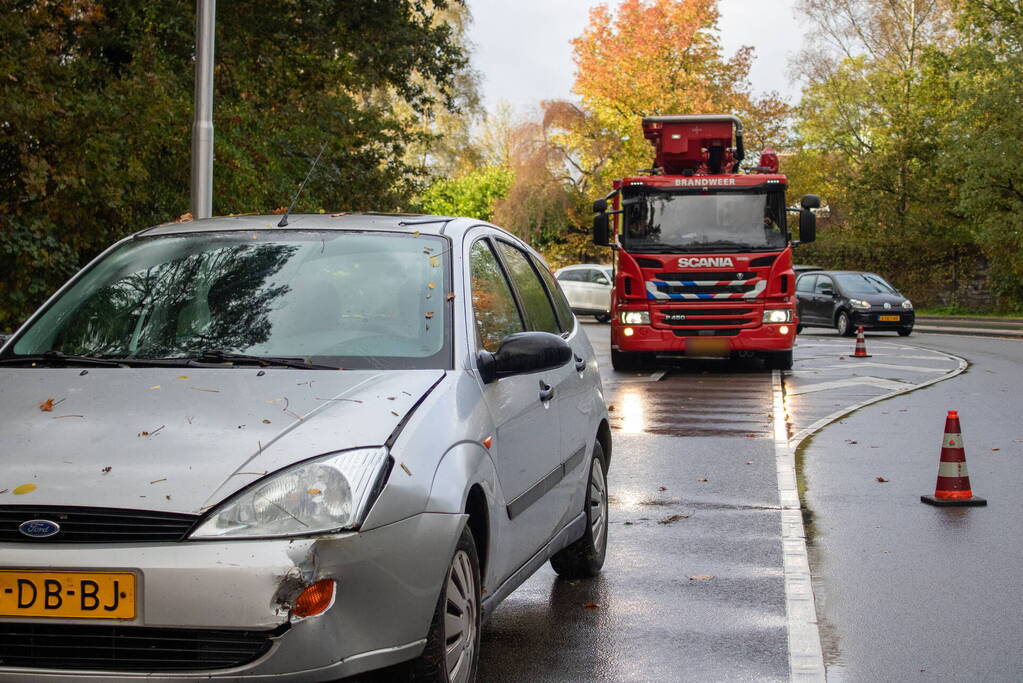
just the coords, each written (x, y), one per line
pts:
(953, 486)
(861, 344)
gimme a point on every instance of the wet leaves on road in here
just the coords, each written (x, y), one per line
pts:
(882, 480)
(106, 469)
(701, 577)
(25, 488)
(591, 605)
(671, 519)
(46, 406)
(701, 479)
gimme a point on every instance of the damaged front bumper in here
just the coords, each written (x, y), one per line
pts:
(387, 583)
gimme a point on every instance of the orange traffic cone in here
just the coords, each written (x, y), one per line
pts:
(953, 487)
(861, 344)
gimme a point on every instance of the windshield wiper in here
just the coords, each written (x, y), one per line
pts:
(58, 357)
(221, 356)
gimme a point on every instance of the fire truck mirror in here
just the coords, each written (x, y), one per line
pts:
(810, 201)
(601, 230)
(600, 206)
(807, 226)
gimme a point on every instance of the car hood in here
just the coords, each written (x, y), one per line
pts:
(182, 440)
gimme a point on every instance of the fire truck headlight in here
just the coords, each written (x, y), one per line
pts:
(777, 315)
(635, 317)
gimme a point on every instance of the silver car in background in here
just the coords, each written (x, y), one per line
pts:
(588, 289)
(230, 450)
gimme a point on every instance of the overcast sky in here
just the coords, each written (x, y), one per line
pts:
(522, 46)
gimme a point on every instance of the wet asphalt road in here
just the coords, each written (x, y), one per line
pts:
(692, 586)
(906, 591)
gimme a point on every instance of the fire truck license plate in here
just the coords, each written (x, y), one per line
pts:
(71, 595)
(888, 318)
(707, 347)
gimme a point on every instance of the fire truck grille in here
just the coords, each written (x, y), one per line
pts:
(685, 288)
(701, 318)
(731, 332)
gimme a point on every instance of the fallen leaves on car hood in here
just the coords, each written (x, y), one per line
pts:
(181, 449)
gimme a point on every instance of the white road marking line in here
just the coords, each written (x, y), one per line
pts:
(806, 659)
(888, 366)
(853, 381)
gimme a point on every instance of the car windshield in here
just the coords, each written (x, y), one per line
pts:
(337, 298)
(709, 220)
(864, 283)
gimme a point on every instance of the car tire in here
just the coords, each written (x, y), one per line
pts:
(844, 325)
(905, 331)
(623, 361)
(459, 599)
(585, 557)
(778, 360)
(799, 329)
(603, 318)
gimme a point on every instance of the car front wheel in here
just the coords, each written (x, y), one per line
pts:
(453, 644)
(585, 557)
(843, 324)
(905, 331)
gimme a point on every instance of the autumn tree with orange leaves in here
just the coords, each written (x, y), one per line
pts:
(655, 57)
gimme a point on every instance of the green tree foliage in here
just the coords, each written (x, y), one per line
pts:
(472, 194)
(872, 124)
(96, 112)
(981, 149)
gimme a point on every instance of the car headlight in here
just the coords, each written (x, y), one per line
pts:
(329, 493)
(635, 317)
(777, 315)
(907, 304)
(857, 303)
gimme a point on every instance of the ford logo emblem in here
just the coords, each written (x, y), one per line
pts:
(39, 528)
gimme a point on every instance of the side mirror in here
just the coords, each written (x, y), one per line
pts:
(600, 206)
(810, 201)
(4, 338)
(807, 225)
(603, 281)
(827, 292)
(522, 353)
(601, 230)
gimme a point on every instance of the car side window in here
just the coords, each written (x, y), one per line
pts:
(493, 305)
(539, 311)
(805, 283)
(570, 276)
(823, 283)
(561, 305)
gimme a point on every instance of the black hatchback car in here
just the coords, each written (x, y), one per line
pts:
(847, 299)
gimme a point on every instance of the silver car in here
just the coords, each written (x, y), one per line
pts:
(588, 289)
(231, 450)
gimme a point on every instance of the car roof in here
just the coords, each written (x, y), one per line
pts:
(397, 222)
(840, 272)
(576, 266)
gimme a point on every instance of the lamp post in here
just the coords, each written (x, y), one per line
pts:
(202, 126)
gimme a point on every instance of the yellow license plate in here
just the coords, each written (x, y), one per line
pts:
(68, 595)
(707, 347)
(888, 318)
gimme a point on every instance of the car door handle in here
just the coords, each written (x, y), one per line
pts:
(580, 364)
(546, 392)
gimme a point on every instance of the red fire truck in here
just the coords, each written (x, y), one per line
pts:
(703, 261)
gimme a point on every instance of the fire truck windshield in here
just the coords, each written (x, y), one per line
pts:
(705, 220)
